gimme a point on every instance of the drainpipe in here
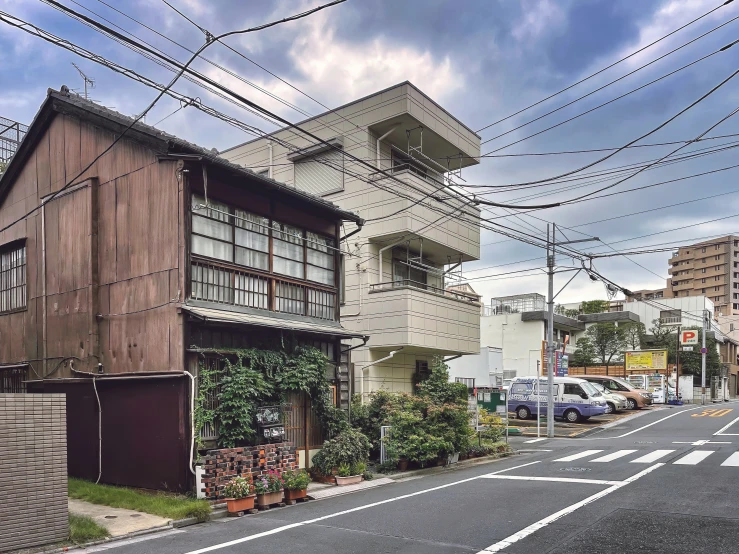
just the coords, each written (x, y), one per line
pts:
(192, 421)
(271, 159)
(361, 389)
(359, 311)
(43, 287)
(378, 146)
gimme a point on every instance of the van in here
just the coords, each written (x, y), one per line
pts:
(635, 398)
(575, 400)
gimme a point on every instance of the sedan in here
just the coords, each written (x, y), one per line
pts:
(614, 402)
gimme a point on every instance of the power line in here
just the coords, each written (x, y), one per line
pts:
(607, 67)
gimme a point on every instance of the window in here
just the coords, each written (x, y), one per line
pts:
(703, 280)
(703, 249)
(573, 388)
(287, 250)
(422, 371)
(13, 278)
(402, 161)
(703, 270)
(736, 296)
(520, 388)
(406, 275)
(703, 291)
(717, 278)
(718, 247)
(320, 259)
(716, 289)
(321, 173)
(717, 257)
(717, 268)
(342, 279)
(736, 307)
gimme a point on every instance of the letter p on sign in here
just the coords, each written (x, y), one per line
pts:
(688, 337)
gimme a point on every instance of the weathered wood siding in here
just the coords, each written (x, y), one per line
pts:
(111, 248)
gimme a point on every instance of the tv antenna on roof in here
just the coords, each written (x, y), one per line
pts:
(84, 78)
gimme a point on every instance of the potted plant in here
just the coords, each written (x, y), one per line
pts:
(295, 484)
(268, 488)
(239, 495)
(350, 474)
(402, 464)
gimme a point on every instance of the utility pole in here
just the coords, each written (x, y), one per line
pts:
(703, 358)
(551, 348)
(677, 368)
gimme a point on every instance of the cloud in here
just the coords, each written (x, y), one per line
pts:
(539, 17)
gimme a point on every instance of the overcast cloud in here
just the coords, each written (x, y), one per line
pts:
(481, 60)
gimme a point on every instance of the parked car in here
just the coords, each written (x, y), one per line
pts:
(575, 400)
(615, 402)
(635, 398)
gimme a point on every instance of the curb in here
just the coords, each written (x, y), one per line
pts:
(453, 467)
(80, 547)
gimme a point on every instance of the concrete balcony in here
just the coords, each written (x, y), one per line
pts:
(444, 237)
(682, 285)
(426, 321)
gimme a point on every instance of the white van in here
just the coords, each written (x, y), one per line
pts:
(575, 399)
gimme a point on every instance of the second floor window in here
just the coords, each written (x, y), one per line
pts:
(13, 292)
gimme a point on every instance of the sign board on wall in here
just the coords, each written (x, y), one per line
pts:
(561, 362)
(646, 359)
(688, 337)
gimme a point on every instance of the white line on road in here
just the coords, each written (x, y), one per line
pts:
(579, 455)
(695, 457)
(553, 479)
(535, 440)
(725, 427)
(614, 456)
(344, 512)
(533, 528)
(732, 461)
(656, 422)
(652, 457)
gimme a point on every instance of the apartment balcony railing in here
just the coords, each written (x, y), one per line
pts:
(225, 284)
(400, 283)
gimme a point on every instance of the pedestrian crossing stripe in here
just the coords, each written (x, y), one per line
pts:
(689, 459)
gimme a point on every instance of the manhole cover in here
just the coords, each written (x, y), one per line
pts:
(643, 442)
(575, 469)
(110, 517)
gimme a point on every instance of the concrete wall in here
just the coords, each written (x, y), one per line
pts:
(33, 466)
(692, 307)
(520, 340)
(479, 366)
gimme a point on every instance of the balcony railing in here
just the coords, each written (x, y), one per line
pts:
(404, 283)
(223, 284)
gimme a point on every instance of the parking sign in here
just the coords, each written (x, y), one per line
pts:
(688, 337)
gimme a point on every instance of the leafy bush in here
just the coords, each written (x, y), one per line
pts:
(492, 426)
(368, 476)
(344, 470)
(238, 487)
(358, 469)
(369, 417)
(387, 467)
(295, 480)
(348, 448)
(271, 482)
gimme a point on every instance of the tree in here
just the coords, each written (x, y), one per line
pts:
(595, 306)
(559, 309)
(660, 334)
(572, 313)
(608, 341)
(634, 334)
(585, 353)
(690, 362)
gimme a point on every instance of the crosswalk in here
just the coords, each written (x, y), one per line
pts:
(690, 459)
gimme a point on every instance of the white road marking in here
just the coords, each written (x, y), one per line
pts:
(700, 442)
(535, 450)
(725, 427)
(614, 456)
(536, 440)
(695, 457)
(553, 479)
(652, 457)
(533, 528)
(579, 455)
(732, 461)
(344, 512)
(658, 421)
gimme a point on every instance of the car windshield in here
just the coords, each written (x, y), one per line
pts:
(590, 389)
(625, 384)
(600, 388)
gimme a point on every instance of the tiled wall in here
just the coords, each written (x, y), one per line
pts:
(33, 470)
(220, 466)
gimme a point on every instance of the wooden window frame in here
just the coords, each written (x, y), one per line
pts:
(11, 247)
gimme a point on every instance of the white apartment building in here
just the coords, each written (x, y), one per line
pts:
(398, 266)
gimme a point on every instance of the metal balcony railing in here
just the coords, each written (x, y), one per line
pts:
(408, 283)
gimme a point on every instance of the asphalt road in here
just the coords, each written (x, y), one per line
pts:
(663, 482)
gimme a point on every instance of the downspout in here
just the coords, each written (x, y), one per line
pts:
(271, 160)
(378, 146)
(361, 389)
(192, 421)
(43, 287)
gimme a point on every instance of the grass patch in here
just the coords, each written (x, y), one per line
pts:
(171, 506)
(84, 529)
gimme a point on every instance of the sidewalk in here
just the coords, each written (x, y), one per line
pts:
(117, 521)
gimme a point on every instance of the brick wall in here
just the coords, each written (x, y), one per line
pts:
(220, 466)
(33, 470)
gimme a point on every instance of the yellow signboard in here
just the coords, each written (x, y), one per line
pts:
(646, 359)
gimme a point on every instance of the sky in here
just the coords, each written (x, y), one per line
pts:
(482, 60)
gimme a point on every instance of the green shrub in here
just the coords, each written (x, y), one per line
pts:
(387, 467)
(358, 468)
(344, 470)
(348, 448)
(368, 476)
(369, 417)
(295, 480)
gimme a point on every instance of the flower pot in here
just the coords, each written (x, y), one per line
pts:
(269, 498)
(294, 495)
(402, 465)
(351, 480)
(327, 479)
(240, 504)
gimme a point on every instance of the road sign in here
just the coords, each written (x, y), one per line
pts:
(704, 350)
(689, 337)
(687, 349)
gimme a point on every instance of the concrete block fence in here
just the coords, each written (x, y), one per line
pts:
(33, 470)
(220, 466)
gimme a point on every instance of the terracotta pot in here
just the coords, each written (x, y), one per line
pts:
(241, 504)
(351, 480)
(328, 479)
(402, 465)
(294, 495)
(269, 498)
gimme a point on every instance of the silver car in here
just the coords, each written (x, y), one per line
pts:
(614, 402)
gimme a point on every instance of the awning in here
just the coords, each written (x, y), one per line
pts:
(211, 315)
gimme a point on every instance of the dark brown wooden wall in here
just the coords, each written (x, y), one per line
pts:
(137, 213)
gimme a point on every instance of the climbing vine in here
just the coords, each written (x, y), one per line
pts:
(252, 377)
